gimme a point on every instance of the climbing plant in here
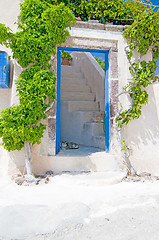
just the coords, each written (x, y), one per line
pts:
(41, 26)
(143, 36)
(116, 11)
(101, 62)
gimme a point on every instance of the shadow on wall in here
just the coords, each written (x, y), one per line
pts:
(142, 135)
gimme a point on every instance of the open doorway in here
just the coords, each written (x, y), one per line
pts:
(82, 113)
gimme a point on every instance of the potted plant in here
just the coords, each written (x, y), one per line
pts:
(65, 58)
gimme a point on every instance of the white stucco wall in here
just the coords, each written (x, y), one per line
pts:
(9, 12)
(12, 162)
(94, 74)
(142, 135)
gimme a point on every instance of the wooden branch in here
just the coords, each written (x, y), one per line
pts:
(129, 109)
(129, 59)
(47, 109)
(27, 160)
(148, 4)
(120, 19)
(123, 92)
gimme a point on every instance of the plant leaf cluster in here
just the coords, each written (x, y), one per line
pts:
(142, 35)
(41, 26)
(116, 11)
(66, 55)
(101, 62)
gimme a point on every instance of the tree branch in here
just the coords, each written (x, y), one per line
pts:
(47, 109)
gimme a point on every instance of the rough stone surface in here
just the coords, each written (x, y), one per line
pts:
(99, 26)
(113, 64)
(52, 130)
(113, 99)
(92, 43)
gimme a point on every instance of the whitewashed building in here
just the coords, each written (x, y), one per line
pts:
(85, 96)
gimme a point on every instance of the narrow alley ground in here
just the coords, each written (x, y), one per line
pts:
(72, 208)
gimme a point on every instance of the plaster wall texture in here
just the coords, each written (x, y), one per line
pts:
(142, 134)
(106, 39)
(9, 13)
(14, 161)
(94, 75)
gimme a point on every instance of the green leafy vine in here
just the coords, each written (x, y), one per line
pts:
(142, 37)
(41, 26)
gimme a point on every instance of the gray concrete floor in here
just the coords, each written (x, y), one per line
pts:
(81, 151)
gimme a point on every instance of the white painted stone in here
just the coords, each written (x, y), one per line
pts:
(141, 134)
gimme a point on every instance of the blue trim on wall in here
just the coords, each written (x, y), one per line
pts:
(4, 70)
(106, 102)
(106, 52)
(58, 100)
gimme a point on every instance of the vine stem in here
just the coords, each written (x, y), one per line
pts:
(47, 109)
(148, 4)
(125, 49)
(28, 157)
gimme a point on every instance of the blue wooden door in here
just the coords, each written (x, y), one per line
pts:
(106, 52)
(4, 70)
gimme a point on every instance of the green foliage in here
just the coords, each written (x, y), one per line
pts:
(116, 11)
(142, 36)
(101, 62)
(21, 123)
(66, 55)
(124, 148)
(14, 128)
(41, 26)
(5, 34)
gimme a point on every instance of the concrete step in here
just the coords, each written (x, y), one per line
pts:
(84, 159)
(82, 105)
(99, 142)
(77, 96)
(66, 68)
(71, 74)
(74, 88)
(90, 116)
(89, 178)
(75, 81)
(75, 129)
(94, 129)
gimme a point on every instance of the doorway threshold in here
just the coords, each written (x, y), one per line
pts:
(84, 159)
(81, 151)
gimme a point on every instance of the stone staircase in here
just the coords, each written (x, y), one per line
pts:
(81, 118)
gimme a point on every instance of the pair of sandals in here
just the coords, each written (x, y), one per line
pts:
(69, 145)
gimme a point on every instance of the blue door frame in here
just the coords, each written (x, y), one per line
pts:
(106, 52)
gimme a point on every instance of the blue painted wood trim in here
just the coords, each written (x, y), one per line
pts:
(4, 70)
(82, 50)
(107, 102)
(59, 49)
(58, 101)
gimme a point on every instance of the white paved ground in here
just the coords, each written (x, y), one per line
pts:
(74, 208)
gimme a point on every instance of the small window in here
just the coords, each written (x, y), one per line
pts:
(4, 70)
